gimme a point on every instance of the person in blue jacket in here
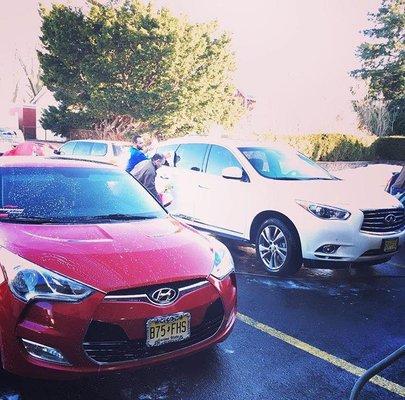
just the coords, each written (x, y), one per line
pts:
(136, 155)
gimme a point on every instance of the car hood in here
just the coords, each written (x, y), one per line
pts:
(339, 193)
(113, 256)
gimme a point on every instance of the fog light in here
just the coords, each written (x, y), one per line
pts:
(44, 353)
(328, 248)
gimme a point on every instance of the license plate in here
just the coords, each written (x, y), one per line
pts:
(167, 329)
(390, 245)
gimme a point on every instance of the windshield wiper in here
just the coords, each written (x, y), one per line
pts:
(28, 220)
(289, 178)
(319, 179)
(74, 220)
(120, 217)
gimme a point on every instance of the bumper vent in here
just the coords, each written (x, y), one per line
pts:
(104, 343)
(384, 221)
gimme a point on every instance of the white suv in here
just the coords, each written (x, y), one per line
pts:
(293, 210)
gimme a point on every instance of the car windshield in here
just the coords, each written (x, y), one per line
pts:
(284, 164)
(73, 195)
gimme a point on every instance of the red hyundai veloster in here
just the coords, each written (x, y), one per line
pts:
(95, 276)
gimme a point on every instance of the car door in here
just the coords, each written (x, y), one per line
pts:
(188, 160)
(221, 202)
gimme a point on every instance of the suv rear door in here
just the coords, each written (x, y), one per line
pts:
(183, 173)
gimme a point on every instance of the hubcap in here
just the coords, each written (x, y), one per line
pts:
(272, 247)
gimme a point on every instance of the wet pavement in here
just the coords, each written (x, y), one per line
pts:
(356, 316)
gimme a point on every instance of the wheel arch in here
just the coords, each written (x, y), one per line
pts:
(263, 216)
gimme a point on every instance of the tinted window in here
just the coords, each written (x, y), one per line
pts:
(83, 148)
(219, 159)
(190, 156)
(99, 149)
(72, 194)
(67, 149)
(168, 151)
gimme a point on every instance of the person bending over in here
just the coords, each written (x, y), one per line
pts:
(145, 173)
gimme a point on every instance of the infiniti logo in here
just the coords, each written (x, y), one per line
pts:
(390, 219)
(164, 296)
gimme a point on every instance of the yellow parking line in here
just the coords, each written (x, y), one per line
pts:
(338, 362)
(396, 265)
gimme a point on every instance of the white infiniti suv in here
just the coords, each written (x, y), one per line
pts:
(293, 210)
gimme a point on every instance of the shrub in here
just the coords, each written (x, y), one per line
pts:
(390, 148)
(342, 147)
(330, 147)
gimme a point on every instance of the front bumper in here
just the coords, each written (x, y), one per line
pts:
(355, 246)
(68, 327)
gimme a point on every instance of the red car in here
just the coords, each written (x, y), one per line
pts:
(96, 277)
(31, 149)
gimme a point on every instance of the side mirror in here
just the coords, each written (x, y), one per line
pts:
(56, 151)
(232, 173)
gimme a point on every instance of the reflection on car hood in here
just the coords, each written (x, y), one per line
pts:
(115, 255)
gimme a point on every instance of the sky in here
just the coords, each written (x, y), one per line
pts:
(293, 56)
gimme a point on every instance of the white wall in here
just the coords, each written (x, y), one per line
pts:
(42, 104)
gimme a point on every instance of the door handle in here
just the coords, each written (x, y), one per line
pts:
(203, 187)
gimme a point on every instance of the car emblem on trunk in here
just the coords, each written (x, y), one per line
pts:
(164, 296)
(390, 219)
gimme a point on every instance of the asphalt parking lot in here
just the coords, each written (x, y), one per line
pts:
(305, 337)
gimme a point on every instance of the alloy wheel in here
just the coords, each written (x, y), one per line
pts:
(273, 247)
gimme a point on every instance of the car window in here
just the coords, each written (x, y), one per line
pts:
(190, 156)
(258, 160)
(82, 148)
(119, 149)
(99, 149)
(67, 149)
(168, 151)
(220, 158)
(283, 164)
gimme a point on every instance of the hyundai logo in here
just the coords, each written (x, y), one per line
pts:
(390, 219)
(164, 296)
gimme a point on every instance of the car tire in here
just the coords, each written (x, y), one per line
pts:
(278, 247)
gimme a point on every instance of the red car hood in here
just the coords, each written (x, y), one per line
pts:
(116, 255)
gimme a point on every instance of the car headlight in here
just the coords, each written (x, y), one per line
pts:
(223, 262)
(28, 281)
(324, 212)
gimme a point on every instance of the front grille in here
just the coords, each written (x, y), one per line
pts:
(104, 342)
(145, 294)
(151, 288)
(375, 221)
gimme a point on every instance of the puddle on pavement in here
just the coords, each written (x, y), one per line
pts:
(353, 289)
